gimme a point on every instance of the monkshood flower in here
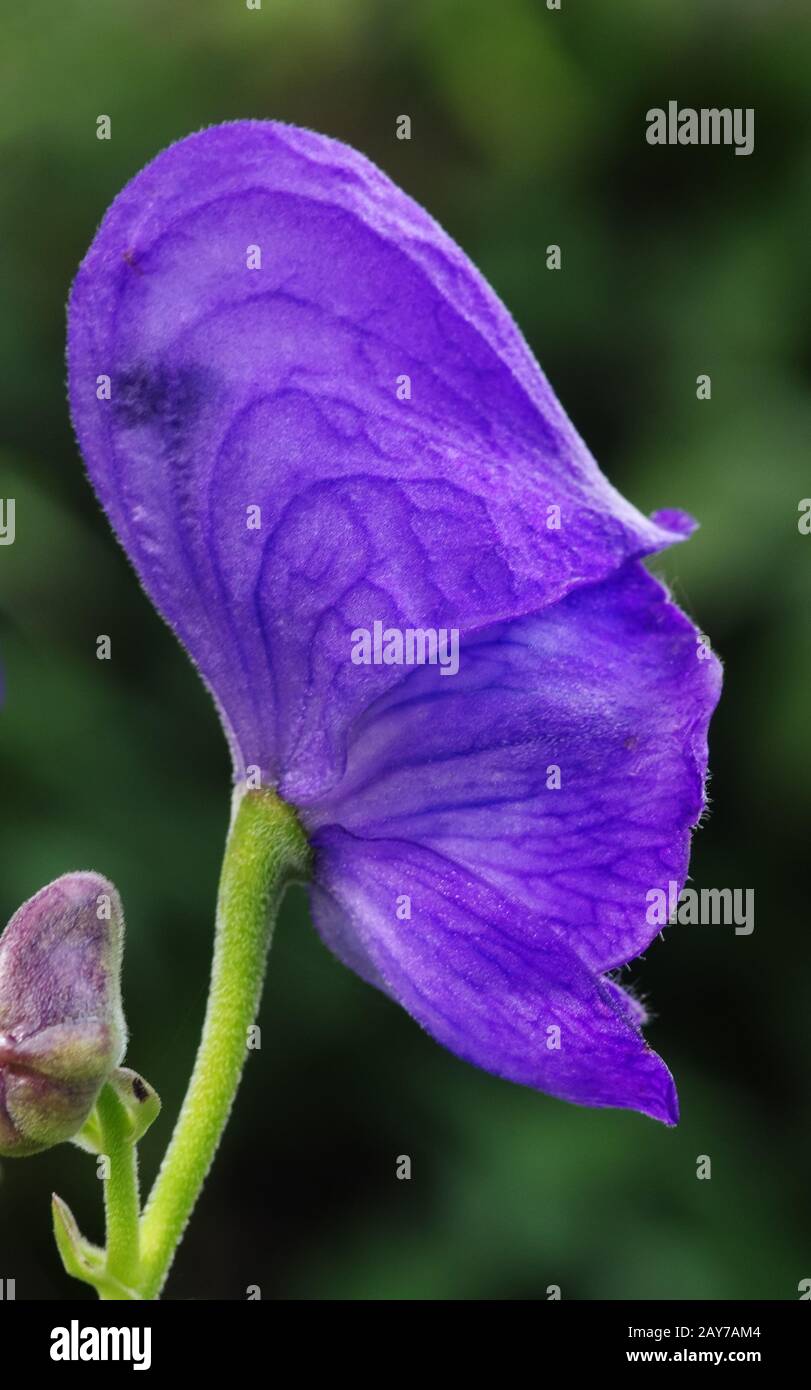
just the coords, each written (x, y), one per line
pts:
(61, 1023)
(307, 415)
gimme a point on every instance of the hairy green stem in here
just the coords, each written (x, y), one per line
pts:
(121, 1203)
(266, 850)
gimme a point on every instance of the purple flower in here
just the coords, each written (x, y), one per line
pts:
(61, 1024)
(306, 414)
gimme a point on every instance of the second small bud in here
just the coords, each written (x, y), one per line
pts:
(62, 1029)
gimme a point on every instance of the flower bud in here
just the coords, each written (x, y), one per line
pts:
(61, 1023)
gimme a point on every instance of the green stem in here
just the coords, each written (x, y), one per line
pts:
(266, 850)
(120, 1189)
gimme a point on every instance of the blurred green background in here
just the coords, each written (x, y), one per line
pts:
(528, 129)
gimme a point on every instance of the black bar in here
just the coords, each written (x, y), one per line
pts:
(255, 1338)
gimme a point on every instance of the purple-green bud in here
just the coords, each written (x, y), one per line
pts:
(61, 1023)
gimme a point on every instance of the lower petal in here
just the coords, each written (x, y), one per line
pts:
(485, 976)
(564, 762)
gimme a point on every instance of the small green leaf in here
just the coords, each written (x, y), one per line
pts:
(81, 1258)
